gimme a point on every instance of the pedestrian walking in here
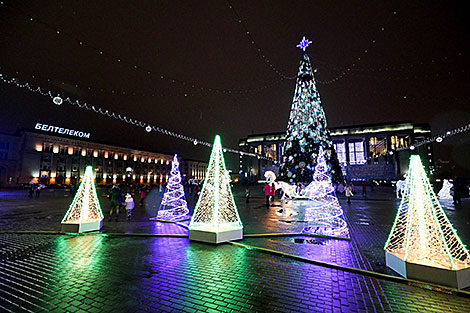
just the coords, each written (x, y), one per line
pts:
(267, 193)
(116, 201)
(38, 190)
(142, 196)
(364, 191)
(348, 191)
(457, 196)
(272, 191)
(129, 205)
(31, 190)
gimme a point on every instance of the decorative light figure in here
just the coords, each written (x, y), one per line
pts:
(444, 193)
(215, 217)
(422, 243)
(57, 100)
(148, 129)
(303, 44)
(84, 214)
(173, 205)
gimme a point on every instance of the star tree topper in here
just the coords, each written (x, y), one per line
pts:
(304, 44)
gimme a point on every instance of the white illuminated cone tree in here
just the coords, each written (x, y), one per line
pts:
(325, 215)
(84, 214)
(215, 217)
(173, 205)
(423, 236)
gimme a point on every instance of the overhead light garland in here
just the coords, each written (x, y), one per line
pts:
(143, 69)
(57, 98)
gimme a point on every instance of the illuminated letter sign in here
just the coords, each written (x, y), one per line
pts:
(61, 130)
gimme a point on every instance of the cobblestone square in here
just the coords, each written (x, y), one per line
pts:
(146, 266)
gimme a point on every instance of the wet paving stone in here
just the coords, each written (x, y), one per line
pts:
(128, 274)
(115, 273)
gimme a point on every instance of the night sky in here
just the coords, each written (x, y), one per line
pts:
(377, 61)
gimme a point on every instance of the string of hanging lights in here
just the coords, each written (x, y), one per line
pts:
(58, 99)
(193, 89)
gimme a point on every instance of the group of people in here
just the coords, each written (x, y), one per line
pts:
(35, 189)
(270, 192)
(117, 201)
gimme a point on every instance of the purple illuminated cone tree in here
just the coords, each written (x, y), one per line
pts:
(173, 205)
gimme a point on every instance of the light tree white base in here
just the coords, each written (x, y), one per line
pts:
(215, 235)
(81, 227)
(458, 279)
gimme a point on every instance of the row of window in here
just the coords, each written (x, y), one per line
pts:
(50, 148)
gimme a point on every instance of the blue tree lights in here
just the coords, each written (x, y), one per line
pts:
(307, 130)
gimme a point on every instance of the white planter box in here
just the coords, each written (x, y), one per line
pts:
(456, 279)
(81, 227)
(212, 235)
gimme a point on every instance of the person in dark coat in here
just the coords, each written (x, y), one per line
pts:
(115, 197)
(31, 190)
(457, 196)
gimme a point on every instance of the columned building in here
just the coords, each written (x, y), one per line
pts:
(370, 151)
(55, 159)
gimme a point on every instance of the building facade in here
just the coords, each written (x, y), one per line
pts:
(364, 151)
(52, 159)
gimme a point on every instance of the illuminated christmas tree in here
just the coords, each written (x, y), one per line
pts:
(307, 130)
(324, 215)
(215, 217)
(173, 205)
(422, 243)
(444, 193)
(84, 214)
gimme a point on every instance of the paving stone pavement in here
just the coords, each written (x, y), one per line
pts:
(111, 273)
(105, 273)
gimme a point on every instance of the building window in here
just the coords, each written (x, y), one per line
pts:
(356, 152)
(398, 142)
(270, 151)
(38, 147)
(340, 148)
(377, 146)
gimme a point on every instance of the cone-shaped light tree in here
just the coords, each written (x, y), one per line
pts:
(325, 215)
(307, 130)
(173, 205)
(215, 217)
(423, 235)
(84, 214)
